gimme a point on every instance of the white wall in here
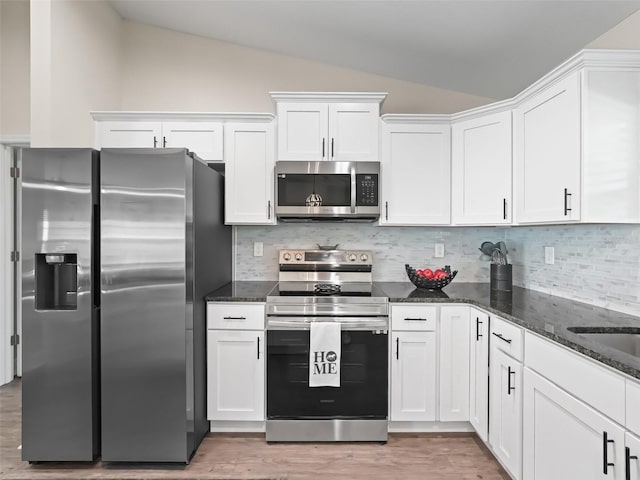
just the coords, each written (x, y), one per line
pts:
(168, 70)
(14, 68)
(624, 35)
(76, 59)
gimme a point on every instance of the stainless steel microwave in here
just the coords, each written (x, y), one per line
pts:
(331, 191)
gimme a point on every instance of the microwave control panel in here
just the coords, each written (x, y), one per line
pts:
(366, 190)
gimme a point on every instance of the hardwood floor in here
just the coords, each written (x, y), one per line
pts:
(249, 457)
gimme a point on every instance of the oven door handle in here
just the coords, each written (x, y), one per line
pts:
(347, 323)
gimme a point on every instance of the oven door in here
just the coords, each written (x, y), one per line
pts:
(363, 391)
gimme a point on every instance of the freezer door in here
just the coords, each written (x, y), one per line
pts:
(143, 330)
(59, 317)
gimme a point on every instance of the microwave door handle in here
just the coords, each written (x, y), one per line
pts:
(353, 188)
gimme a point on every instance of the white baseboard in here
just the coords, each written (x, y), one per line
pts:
(429, 427)
(235, 426)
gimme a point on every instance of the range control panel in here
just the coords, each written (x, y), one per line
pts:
(325, 257)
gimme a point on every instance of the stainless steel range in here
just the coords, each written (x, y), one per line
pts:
(319, 287)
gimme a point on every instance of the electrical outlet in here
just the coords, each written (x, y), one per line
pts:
(439, 250)
(258, 249)
(549, 255)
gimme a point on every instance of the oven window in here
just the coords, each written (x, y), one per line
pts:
(294, 189)
(363, 377)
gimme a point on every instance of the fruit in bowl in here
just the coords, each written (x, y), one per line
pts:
(430, 279)
(431, 274)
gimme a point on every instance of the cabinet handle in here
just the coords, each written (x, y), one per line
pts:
(234, 318)
(164, 142)
(566, 202)
(269, 210)
(155, 142)
(397, 348)
(499, 335)
(323, 148)
(627, 462)
(504, 208)
(509, 373)
(258, 349)
(415, 319)
(478, 323)
(605, 453)
(332, 148)
(386, 210)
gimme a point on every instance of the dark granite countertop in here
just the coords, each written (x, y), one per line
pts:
(547, 315)
(241, 292)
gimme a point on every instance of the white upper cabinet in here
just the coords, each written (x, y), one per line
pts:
(249, 173)
(203, 138)
(547, 154)
(416, 174)
(330, 126)
(128, 134)
(481, 170)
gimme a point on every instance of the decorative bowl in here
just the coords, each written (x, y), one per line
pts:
(427, 283)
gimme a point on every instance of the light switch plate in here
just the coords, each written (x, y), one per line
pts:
(439, 250)
(258, 249)
(549, 255)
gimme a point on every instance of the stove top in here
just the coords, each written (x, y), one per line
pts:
(319, 289)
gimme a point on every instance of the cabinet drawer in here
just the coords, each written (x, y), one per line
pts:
(413, 317)
(235, 316)
(597, 386)
(633, 406)
(506, 337)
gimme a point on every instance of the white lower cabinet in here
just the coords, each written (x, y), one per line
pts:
(632, 456)
(479, 373)
(454, 364)
(505, 414)
(566, 439)
(413, 376)
(235, 376)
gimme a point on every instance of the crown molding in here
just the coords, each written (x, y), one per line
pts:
(416, 119)
(343, 97)
(182, 116)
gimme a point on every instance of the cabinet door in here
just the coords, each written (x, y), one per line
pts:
(479, 373)
(128, 134)
(303, 131)
(505, 417)
(563, 438)
(454, 364)
(203, 138)
(353, 132)
(481, 170)
(249, 170)
(235, 375)
(632, 456)
(416, 167)
(413, 376)
(547, 154)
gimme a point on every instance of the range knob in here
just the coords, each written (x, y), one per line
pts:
(352, 257)
(286, 256)
(298, 256)
(364, 257)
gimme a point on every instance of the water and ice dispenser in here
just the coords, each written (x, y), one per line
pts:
(56, 281)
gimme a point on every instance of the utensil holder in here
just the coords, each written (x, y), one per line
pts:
(501, 277)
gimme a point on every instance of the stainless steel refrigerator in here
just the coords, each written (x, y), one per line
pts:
(162, 245)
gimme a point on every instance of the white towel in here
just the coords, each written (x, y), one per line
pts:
(324, 354)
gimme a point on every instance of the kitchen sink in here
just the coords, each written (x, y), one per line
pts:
(624, 339)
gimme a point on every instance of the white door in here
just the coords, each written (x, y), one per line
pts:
(413, 376)
(563, 438)
(454, 364)
(202, 138)
(479, 373)
(303, 131)
(632, 456)
(547, 154)
(235, 375)
(416, 168)
(505, 417)
(481, 170)
(249, 173)
(114, 134)
(353, 132)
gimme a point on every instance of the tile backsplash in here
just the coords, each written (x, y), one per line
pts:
(597, 264)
